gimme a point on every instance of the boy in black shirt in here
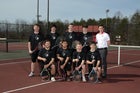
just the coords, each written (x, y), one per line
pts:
(79, 60)
(84, 38)
(52, 36)
(70, 35)
(63, 55)
(33, 46)
(93, 58)
(46, 56)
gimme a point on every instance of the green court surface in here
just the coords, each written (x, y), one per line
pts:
(14, 54)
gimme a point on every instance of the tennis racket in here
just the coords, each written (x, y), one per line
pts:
(38, 47)
(76, 73)
(45, 73)
(61, 72)
(92, 75)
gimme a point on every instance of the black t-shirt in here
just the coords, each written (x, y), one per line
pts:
(34, 39)
(93, 56)
(48, 54)
(52, 37)
(64, 53)
(79, 55)
(70, 37)
(84, 38)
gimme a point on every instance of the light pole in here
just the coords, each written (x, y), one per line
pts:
(48, 6)
(107, 18)
(37, 11)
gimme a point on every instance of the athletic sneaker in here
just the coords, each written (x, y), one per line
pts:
(31, 74)
(98, 81)
(83, 79)
(53, 79)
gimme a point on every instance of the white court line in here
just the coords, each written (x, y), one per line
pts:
(15, 58)
(124, 64)
(12, 63)
(27, 87)
(18, 89)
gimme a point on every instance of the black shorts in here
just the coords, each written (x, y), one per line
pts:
(67, 66)
(42, 64)
(74, 66)
(90, 66)
(34, 56)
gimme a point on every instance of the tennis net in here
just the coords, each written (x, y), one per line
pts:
(123, 54)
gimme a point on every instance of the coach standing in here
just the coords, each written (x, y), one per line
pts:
(103, 41)
(33, 46)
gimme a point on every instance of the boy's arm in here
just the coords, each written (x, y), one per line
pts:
(51, 62)
(98, 63)
(89, 62)
(41, 58)
(66, 61)
(29, 47)
(58, 57)
(82, 63)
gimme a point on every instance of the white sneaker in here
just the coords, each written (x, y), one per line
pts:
(31, 74)
(53, 79)
(83, 79)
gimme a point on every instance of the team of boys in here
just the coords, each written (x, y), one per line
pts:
(72, 52)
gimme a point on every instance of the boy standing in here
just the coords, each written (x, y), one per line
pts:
(33, 46)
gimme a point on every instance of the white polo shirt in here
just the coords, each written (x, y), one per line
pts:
(102, 39)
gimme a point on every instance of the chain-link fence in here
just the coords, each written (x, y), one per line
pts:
(126, 34)
(15, 32)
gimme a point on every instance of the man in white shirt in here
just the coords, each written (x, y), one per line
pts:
(103, 41)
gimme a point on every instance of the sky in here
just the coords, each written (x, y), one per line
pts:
(13, 10)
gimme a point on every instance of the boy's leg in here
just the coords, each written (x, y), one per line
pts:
(32, 66)
(34, 56)
(83, 73)
(40, 65)
(52, 72)
(99, 71)
(32, 69)
(33, 63)
(68, 70)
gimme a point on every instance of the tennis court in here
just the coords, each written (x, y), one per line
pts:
(121, 78)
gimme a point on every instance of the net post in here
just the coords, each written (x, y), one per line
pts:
(119, 55)
(6, 37)
(6, 45)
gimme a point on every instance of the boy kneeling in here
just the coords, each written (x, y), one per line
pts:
(47, 58)
(93, 60)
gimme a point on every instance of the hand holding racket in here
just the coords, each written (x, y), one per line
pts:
(76, 73)
(92, 75)
(62, 71)
(38, 47)
(45, 73)
(44, 59)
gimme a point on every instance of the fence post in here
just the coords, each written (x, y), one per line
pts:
(119, 55)
(7, 37)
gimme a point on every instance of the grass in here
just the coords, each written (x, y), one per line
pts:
(14, 54)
